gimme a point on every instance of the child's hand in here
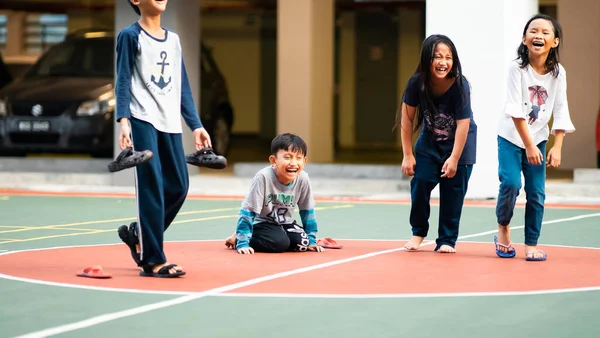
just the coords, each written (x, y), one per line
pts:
(316, 248)
(553, 160)
(449, 167)
(201, 138)
(246, 251)
(408, 165)
(534, 155)
(125, 134)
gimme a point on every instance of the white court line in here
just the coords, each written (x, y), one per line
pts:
(408, 295)
(180, 300)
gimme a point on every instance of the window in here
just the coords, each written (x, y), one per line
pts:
(3, 19)
(44, 31)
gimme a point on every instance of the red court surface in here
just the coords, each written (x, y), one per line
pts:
(209, 265)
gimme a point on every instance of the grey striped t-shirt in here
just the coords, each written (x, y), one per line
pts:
(275, 202)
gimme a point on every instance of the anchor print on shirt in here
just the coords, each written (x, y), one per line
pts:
(537, 98)
(161, 83)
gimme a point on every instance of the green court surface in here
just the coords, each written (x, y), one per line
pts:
(519, 299)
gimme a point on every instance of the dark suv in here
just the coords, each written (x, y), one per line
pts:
(65, 102)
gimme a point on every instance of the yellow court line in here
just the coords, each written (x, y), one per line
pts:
(6, 240)
(13, 226)
(108, 221)
(4, 198)
(343, 206)
(92, 232)
(53, 236)
(204, 219)
(75, 229)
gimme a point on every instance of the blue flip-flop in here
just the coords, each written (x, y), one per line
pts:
(530, 257)
(510, 254)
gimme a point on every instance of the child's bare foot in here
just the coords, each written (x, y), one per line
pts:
(532, 253)
(446, 249)
(231, 241)
(504, 238)
(414, 243)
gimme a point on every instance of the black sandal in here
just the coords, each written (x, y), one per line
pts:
(161, 273)
(206, 157)
(129, 158)
(129, 236)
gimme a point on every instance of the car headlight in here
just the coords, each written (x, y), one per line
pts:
(103, 104)
(3, 107)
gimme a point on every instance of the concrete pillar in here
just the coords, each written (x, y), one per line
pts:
(486, 44)
(15, 30)
(579, 55)
(305, 30)
(184, 19)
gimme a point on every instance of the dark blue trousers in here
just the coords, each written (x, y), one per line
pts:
(452, 195)
(512, 160)
(161, 186)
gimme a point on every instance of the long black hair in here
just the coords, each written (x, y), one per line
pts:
(424, 72)
(553, 56)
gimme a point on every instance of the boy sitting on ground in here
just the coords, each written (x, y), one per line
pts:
(266, 223)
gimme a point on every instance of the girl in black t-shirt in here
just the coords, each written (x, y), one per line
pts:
(437, 100)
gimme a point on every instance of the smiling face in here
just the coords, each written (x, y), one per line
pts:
(540, 37)
(442, 62)
(151, 7)
(288, 164)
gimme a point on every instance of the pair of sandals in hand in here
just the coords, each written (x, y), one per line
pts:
(129, 158)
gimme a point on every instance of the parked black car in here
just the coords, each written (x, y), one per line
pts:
(65, 102)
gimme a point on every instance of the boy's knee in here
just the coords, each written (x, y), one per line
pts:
(278, 245)
(281, 245)
(272, 242)
(299, 244)
(511, 186)
(298, 241)
(180, 189)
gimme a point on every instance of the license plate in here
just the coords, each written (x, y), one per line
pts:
(34, 126)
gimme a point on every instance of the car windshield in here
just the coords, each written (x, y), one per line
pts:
(77, 58)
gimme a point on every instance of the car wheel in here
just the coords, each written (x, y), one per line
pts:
(220, 136)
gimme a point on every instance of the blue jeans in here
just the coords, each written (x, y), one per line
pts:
(512, 161)
(452, 195)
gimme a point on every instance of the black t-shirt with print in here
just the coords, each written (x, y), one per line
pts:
(436, 138)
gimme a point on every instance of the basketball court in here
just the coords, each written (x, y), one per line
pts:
(370, 287)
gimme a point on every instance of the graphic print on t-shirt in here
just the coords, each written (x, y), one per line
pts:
(443, 124)
(161, 77)
(280, 204)
(537, 98)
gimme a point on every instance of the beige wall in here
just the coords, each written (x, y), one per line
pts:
(347, 80)
(580, 55)
(410, 35)
(235, 41)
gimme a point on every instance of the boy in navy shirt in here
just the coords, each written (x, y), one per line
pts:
(152, 93)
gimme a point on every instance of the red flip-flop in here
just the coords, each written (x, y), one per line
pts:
(329, 243)
(94, 271)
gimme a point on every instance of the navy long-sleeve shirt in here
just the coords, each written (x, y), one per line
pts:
(152, 83)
